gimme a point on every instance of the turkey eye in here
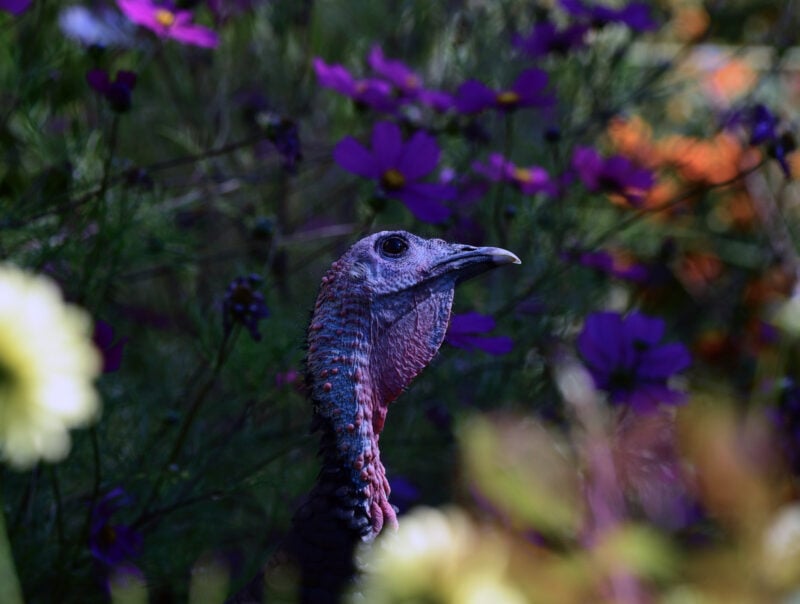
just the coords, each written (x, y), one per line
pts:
(394, 246)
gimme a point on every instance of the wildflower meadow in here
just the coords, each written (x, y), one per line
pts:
(615, 419)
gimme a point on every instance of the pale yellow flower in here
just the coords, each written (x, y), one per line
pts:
(47, 367)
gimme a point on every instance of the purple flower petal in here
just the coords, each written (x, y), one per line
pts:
(15, 7)
(419, 157)
(196, 35)
(424, 201)
(474, 96)
(661, 362)
(98, 80)
(353, 157)
(387, 145)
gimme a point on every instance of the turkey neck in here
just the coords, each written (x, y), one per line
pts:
(350, 411)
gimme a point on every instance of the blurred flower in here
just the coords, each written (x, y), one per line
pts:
(116, 92)
(762, 126)
(729, 81)
(95, 26)
(47, 366)
(529, 181)
(613, 263)
(546, 38)
(15, 7)
(284, 135)
(635, 15)
(785, 417)
(465, 332)
(243, 304)
(439, 556)
(404, 493)
(373, 93)
(709, 161)
(168, 23)
(109, 543)
(397, 73)
(625, 359)
(527, 91)
(110, 347)
(397, 166)
(616, 174)
(633, 138)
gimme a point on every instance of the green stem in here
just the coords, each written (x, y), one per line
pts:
(10, 591)
(222, 355)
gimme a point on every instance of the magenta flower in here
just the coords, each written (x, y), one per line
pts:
(400, 75)
(546, 39)
(615, 174)
(529, 181)
(168, 23)
(527, 91)
(371, 92)
(15, 7)
(466, 331)
(625, 359)
(397, 167)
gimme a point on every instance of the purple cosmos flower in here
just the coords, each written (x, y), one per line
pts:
(116, 92)
(244, 304)
(615, 174)
(527, 91)
(635, 15)
(400, 75)
(625, 359)
(530, 181)
(465, 332)
(110, 543)
(110, 347)
(607, 263)
(373, 93)
(398, 167)
(546, 38)
(15, 7)
(763, 128)
(168, 23)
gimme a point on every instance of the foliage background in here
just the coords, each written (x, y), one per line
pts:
(145, 217)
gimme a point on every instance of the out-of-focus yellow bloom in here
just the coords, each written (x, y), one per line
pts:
(47, 366)
(439, 556)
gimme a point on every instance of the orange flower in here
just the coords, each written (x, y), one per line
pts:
(690, 22)
(633, 137)
(735, 78)
(736, 211)
(710, 161)
(697, 271)
(773, 285)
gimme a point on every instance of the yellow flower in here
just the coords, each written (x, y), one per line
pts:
(47, 366)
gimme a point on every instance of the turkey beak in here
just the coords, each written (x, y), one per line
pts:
(468, 261)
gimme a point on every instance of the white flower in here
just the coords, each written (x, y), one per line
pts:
(47, 367)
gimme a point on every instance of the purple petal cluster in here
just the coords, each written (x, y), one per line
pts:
(635, 15)
(369, 92)
(528, 90)
(607, 263)
(530, 180)
(615, 174)
(764, 128)
(117, 91)
(546, 38)
(110, 543)
(244, 304)
(467, 331)
(167, 22)
(109, 346)
(15, 7)
(626, 360)
(398, 167)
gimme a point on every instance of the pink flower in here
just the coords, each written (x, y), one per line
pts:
(168, 23)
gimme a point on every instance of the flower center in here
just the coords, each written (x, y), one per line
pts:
(412, 82)
(165, 17)
(508, 97)
(523, 175)
(393, 179)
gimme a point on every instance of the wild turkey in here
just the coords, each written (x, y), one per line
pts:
(380, 317)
